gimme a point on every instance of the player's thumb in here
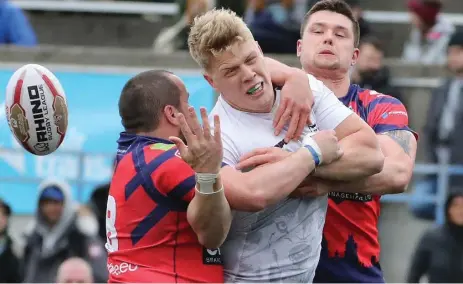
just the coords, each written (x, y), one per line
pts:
(182, 148)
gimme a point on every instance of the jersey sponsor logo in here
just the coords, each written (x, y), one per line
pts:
(339, 197)
(212, 256)
(121, 268)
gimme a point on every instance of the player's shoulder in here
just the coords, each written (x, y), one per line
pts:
(225, 112)
(230, 119)
(373, 98)
(163, 152)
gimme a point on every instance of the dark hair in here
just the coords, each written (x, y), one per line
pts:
(5, 207)
(374, 41)
(336, 6)
(143, 99)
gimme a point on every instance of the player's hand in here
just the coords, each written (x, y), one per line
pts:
(329, 146)
(295, 106)
(311, 187)
(204, 152)
(261, 156)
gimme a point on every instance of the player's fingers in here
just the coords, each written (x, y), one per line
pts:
(291, 133)
(254, 161)
(185, 128)
(301, 124)
(195, 125)
(284, 118)
(182, 148)
(255, 152)
(339, 153)
(217, 130)
(308, 191)
(206, 125)
(280, 111)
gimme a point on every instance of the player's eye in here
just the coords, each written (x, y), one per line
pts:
(250, 60)
(230, 72)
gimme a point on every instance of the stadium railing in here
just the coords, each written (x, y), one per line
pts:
(134, 7)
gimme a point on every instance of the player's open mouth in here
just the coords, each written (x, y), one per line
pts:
(256, 89)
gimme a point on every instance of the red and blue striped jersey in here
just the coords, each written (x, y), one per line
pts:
(350, 246)
(149, 238)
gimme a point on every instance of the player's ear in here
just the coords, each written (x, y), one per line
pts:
(299, 47)
(171, 115)
(355, 56)
(210, 81)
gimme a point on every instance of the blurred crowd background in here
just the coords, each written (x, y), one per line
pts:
(412, 50)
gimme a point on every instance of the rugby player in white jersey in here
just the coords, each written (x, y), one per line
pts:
(281, 241)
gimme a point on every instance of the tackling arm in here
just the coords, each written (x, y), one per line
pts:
(399, 148)
(362, 153)
(268, 184)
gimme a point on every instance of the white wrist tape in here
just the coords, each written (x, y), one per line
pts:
(314, 149)
(206, 183)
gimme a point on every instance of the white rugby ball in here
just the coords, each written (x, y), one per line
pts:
(36, 109)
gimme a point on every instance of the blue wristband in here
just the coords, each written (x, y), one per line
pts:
(315, 156)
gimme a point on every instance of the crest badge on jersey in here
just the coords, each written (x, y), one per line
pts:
(212, 256)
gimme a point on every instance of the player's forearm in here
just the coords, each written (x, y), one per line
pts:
(210, 217)
(362, 158)
(280, 72)
(266, 185)
(394, 178)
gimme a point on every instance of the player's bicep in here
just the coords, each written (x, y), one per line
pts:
(398, 142)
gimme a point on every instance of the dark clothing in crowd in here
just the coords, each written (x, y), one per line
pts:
(380, 82)
(9, 263)
(439, 254)
(74, 235)
(98, 202)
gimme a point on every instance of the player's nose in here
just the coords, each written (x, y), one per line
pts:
(248, 73)
(328, 37)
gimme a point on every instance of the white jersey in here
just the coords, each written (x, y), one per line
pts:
(282, 242)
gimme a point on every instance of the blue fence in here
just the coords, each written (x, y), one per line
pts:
(94, 126)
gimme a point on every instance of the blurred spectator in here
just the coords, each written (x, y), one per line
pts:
(429, 35)
(14, 26)
(9, 263)
(358, 14)
(74, 270)
(276, 24)
(60, 231)
(98, 201)
(370, 72)
(439, 254)
(443, 139)
(174, 37)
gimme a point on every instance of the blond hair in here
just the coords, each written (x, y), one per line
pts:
(215, 32)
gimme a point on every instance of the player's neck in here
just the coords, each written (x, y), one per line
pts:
(159, 133)
(339, 86)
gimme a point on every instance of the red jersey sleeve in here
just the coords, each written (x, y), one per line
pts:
(386, 113)
(174, 177)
